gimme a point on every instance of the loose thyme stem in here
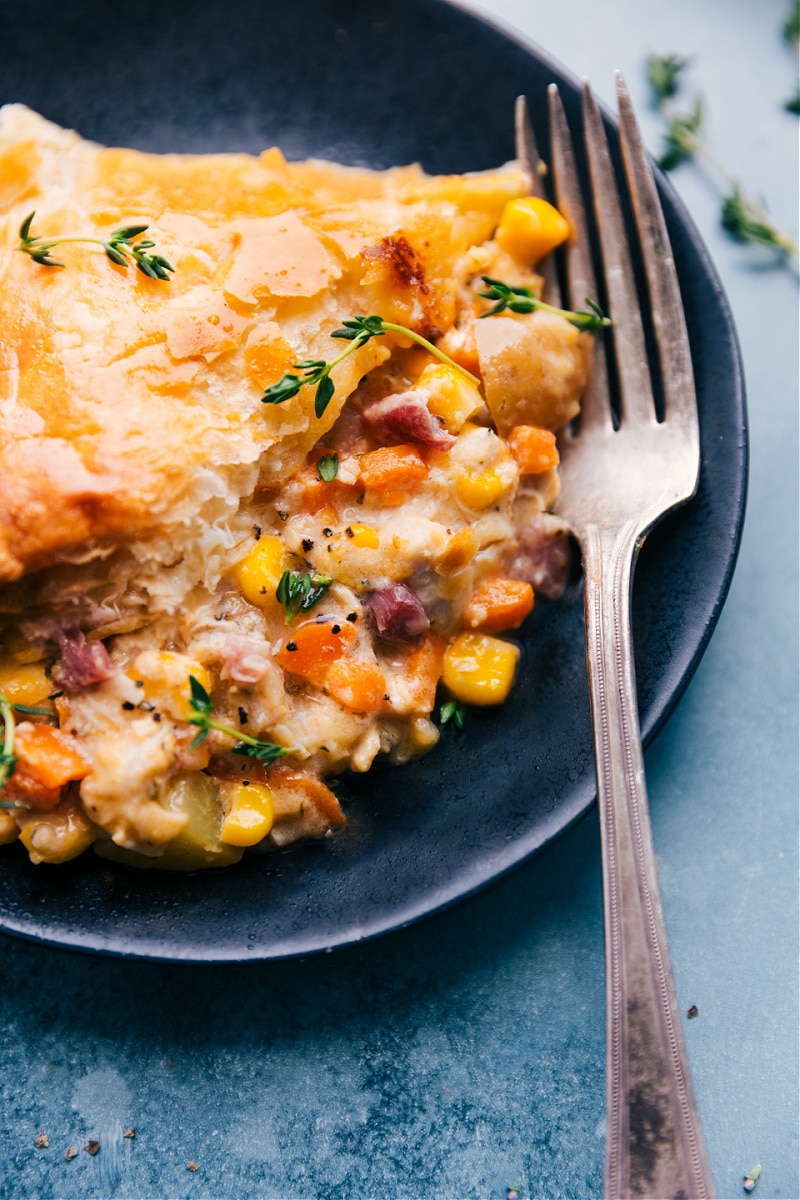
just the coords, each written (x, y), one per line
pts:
(744, 218)
(743, 205)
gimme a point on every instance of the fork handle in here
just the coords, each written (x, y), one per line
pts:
(654, 1145)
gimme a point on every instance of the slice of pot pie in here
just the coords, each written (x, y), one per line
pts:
(268, 480)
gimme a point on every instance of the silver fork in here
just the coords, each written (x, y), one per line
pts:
(618, 478)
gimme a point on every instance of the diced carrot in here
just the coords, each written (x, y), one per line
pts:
(22, 788)
(317, 493)
(423, 669)
(50, 756)
(391, 471)
(312, 649)
(498, 604)
(357, 683)
(46, 760)
(534, 449)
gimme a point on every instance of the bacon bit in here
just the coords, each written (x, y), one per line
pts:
(92, 1147)
(407, 416)
(129, 1133)
(70, 1153)
(42, 1141)
(242, 661)
(545, 557)
(192, 1166)
(398, 613)
(83, 663)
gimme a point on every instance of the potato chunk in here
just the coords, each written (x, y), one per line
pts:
(534, 369)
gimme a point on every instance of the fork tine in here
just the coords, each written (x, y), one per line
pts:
(636, 394)
(526, 148)
(669, 321)
(530, 162)
(581, 282)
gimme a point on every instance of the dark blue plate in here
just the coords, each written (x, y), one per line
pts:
(377, 85)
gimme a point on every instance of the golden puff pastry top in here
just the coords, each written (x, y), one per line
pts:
(130, 409)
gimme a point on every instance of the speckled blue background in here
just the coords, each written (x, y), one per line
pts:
(461, 1056)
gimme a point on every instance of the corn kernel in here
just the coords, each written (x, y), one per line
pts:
(450, 395)
(258, 573)
(479, 491)
(24, 683)
(530, 228)
(364, 536)
(166, 680)
(250, 816)
(480, 669)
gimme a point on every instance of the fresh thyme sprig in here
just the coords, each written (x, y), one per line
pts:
(357, 331)
(121, 247)
(298, 593)
(523, 300)
(200, 701)
(744, 218)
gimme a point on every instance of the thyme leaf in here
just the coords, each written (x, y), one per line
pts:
(663, 75)
(357, 331)
(746, 221)
(121, 247)
(200, 701)
(328, 467)
(523, 300)
(298, 592)
(681, 140)
(451, 716)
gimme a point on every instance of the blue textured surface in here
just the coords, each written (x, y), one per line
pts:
(466, 1054)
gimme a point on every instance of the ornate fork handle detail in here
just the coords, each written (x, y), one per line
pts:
(654, 1148)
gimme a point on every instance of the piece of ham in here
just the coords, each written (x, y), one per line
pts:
(83, 664)
(242, 661)
(545, 556)
(398, 613)
(406, 416)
